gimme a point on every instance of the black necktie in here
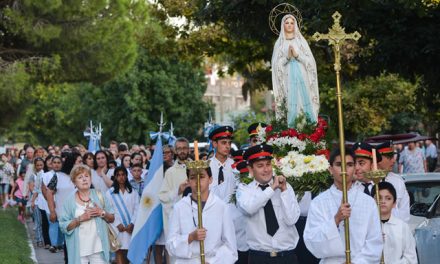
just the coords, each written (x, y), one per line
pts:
(53, 183)
(221, 178)
(269, 215)
(366, 189)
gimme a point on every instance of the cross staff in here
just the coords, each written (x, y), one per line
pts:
(161, 124)
(336, 37)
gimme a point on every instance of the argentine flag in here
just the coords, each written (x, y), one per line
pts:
(149, 222)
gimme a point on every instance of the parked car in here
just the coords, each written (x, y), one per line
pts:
(424, 193)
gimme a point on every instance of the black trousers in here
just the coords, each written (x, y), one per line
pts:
(303, 254)
(432, 164)
(45, 227)
(257, 259)
(243, 257)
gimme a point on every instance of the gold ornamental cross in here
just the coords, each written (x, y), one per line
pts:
(336, 38)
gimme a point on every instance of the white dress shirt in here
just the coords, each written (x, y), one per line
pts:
(239, 220)
(402, 202)
(399, 245)
(225, 190)
(326, 240)
(220, 244)
(252, 199)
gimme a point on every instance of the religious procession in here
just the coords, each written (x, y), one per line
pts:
(340, 168)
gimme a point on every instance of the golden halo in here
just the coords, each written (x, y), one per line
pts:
(283, 9)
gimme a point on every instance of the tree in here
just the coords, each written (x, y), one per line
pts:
(50, 42)
(372, 103)
(128, 107)
(398, 36)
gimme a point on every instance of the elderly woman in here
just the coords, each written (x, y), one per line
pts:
(82, 220)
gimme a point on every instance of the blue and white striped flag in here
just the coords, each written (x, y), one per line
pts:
(149, 222)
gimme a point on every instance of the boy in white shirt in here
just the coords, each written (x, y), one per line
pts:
(399, 243)
(218, 229)
(324, 234)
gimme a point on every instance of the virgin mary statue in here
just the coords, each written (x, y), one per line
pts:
(294, 76)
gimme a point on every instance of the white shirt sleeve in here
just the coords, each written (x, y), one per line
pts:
(290, 206)
(177, 242)
(373, 245)
(409, 251)
(321, 235)
(252, 199)
(227, 252)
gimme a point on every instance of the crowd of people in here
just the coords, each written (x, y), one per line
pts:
(73, 195)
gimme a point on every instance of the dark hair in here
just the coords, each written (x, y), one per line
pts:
(112, 162)
(122, 147)
(69, 162)
(388, 155)
(115, 182)
(202, 155)
(123, 157)
(136, 165)
(96, 154)
(337, 152)
(86, 156)
(386, 186)
(49, 157)
(39, 159)
(208, 170)
(135, 154)
(109, 154)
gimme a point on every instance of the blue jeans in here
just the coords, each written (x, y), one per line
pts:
(38, 225)
(56, 237)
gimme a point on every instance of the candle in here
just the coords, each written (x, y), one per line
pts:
(374, 160)
(196, 150)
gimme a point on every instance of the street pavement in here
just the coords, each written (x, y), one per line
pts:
(43, 256)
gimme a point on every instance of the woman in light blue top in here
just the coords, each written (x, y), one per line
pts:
(82, 221)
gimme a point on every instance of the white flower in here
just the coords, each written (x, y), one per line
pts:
(293, 142)
(261, 135)
(296, 164)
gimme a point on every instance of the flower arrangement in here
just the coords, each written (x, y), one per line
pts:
(300, 153)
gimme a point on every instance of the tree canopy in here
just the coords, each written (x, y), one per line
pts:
(398, 36)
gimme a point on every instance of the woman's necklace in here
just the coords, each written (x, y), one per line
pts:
(86, 203)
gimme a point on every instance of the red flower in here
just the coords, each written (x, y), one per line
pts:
(302, 136)
(315, 137)
(285, 133)
(324, 152)
(269, 129)
(292, 132)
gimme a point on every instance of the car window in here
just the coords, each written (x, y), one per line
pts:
(422, 195)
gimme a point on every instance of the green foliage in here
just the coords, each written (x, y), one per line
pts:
(242, 122)
(13, 83)
(14, 249)
(127, 107)
(95, 40)
(398, 36)
(155, 84)
(370, 104)
(314, 182)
